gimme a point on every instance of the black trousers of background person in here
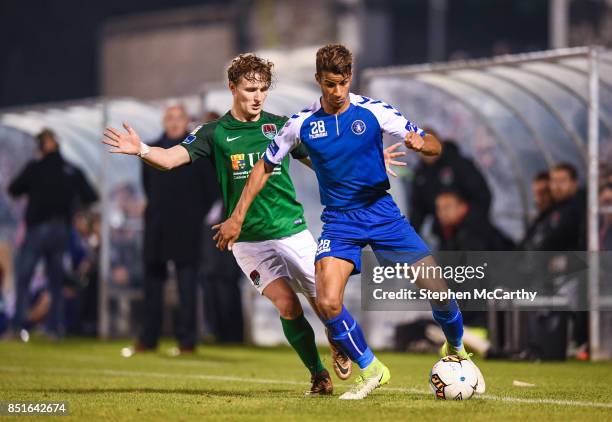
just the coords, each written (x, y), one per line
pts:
(156, 274)
(221, 289)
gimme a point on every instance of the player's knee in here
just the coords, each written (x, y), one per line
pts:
(329, 306)
(288, 306)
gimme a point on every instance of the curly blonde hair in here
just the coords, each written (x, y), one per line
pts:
(250, 67)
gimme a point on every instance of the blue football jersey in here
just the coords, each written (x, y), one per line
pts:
(346, 149)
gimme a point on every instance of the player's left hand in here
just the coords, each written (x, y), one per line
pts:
(227, 234)
(389, 158)
(127, 142)
(414, 141)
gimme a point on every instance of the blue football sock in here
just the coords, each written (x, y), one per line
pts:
(348, 336)
(450, 320)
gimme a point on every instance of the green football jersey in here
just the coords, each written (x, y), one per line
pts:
(234, 147)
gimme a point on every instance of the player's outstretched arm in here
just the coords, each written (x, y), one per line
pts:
(427, 145)
(229, 230)
(128, 142)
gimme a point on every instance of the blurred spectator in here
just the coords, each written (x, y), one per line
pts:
(55, 188)
(38, 306)
(565, 229)
(534, 323)
(87, 271)
(561, 221)
(465, 231)
(540, 187)
(222, 296)
(221, 274)
(177, 203)
(448, 171)
(605, 225)
(81, 278)
(126, 240)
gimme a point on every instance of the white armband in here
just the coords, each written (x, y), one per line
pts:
(144, 150)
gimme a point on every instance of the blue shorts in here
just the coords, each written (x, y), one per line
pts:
(380, 225)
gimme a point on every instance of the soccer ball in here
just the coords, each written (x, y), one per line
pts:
(453, 378)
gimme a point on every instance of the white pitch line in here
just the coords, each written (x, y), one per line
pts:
(514, 399)
(113, 372)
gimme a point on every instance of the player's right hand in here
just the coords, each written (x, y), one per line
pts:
(414, 141)
(227, 234)
(127, 142)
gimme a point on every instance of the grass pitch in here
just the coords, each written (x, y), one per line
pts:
(242, 383)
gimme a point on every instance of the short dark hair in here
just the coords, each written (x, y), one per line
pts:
(454, 193)
(45, 133)
(567, 167)
(542, 176)
(247, 66)
(334, 58)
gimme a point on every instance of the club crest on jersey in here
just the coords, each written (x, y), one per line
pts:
(238, 162)
(358, 127)
(255, 277)
(269, 130)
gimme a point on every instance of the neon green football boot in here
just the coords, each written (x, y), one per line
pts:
(372, 377)
(447, 350)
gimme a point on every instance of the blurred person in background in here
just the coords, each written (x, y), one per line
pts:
(605, 224)
(565, 230)
(531, 346)
(80, 277)
(464, 231)
(55, 189)
(449, 170)
(543, 200)
(177, 202)
(126, 237)
(89, 230)
(220, 273)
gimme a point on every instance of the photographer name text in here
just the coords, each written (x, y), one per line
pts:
(476, 294)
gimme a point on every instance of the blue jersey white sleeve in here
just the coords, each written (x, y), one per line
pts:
(390, 120)
(346, 150)
(287, 138)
